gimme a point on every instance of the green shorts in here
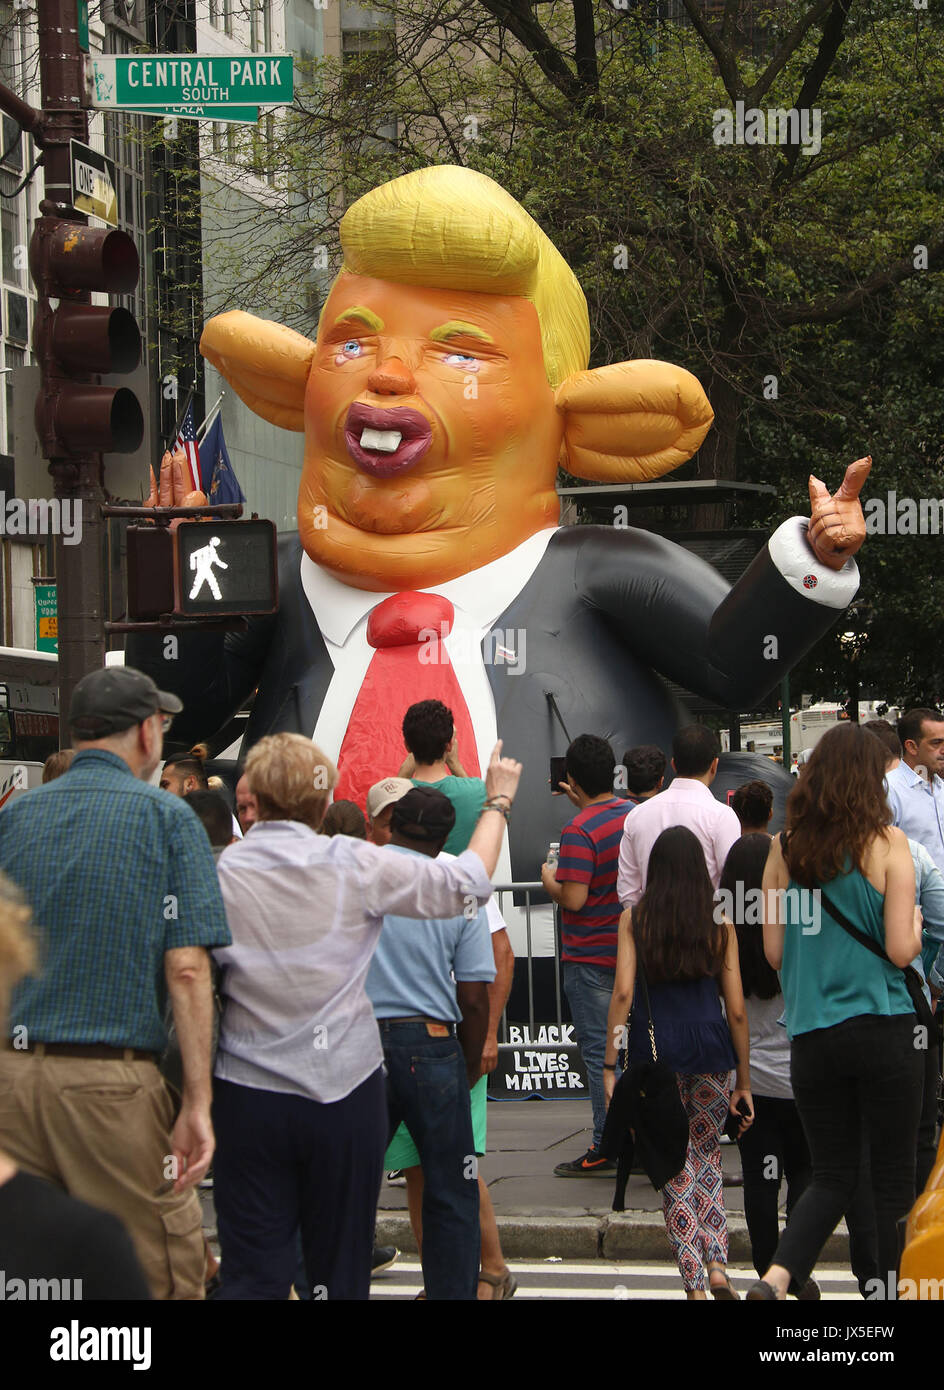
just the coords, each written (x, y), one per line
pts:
(401, 1151)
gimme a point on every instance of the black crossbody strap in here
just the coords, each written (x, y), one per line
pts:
(854, 932)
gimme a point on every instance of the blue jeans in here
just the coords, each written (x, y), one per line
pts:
(427, 1088)
(589, 989)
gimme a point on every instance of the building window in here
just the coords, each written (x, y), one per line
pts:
(13, 357)
(215, 13)
(266, 26)
(218, 137)
(228, 17)
(255, 26)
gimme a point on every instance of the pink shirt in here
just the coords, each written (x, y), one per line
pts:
(688, 802)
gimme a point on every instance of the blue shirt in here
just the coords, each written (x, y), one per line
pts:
(416, 963)
(918, 808)
(929, 896)
(116, 872)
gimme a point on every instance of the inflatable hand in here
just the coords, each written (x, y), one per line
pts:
(837, 526)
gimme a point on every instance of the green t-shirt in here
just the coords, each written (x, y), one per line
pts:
(467, 795)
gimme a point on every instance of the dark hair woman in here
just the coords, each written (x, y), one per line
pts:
(850, 1018)
(688, 952)
(777, 1132)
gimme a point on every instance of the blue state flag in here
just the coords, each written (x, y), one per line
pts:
(224, 486)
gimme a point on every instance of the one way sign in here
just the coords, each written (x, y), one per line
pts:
(94, 183)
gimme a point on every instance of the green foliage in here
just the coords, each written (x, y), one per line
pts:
(742, 261)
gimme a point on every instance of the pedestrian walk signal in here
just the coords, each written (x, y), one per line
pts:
(202, 569)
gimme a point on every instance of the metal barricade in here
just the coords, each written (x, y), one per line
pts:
(505, 893)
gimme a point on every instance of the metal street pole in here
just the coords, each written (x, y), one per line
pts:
(80, 574)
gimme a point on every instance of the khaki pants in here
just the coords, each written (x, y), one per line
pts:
(101, 1130)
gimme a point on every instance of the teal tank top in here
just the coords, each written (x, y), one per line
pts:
(826, 975)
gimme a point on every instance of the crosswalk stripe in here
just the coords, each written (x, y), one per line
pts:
(604, 1269)
(556, 1291)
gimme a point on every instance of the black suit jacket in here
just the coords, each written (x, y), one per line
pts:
(604, 611)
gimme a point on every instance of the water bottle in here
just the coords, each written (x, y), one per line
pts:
(553, 853)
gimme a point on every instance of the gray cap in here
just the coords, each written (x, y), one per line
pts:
(108, 701)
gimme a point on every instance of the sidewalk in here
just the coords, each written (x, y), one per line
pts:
(540, 1216)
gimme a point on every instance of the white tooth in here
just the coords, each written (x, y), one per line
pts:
(388, 441)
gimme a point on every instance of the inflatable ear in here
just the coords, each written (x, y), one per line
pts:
(266, 364)
(631, 421)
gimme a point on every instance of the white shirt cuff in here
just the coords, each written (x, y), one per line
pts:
(793, 556)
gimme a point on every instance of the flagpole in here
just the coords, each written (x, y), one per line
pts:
(180, 422)
(210, 417)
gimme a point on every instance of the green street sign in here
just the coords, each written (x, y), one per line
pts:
(145, 81)
(244, 115)
(83, 25)
(47, 618)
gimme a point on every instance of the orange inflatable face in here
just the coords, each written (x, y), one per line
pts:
(431, 434)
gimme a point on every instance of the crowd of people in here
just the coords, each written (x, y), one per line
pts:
(809, 1027)
(308, 993)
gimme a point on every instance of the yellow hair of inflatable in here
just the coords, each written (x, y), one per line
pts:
(450, 228)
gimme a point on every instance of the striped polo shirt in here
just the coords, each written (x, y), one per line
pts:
(589, 853)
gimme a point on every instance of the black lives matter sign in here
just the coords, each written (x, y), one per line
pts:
(544, 1060)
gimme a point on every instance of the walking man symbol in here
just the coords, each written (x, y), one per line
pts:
(202, 561)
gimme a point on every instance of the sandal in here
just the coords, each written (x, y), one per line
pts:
(506, 1283)
(725, 1292)
(762, 1292)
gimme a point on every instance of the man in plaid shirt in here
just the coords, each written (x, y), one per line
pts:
(123, 886)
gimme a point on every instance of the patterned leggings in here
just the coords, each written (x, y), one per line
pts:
(693, 1203)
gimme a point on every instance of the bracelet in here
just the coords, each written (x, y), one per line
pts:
(609, 1066)
(490, 806)
(499, 796)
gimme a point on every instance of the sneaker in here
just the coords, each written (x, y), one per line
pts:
(396, 1178)
(588, 1166)
(383, 1257)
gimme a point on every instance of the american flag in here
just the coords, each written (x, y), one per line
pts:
(187, 440)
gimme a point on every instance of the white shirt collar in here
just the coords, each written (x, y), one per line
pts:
(481, 595)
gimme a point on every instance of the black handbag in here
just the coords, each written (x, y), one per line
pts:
(913, 980)
(646, 1120)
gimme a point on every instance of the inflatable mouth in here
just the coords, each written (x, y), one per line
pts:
(386, 442)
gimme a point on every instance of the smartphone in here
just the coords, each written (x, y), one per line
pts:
(558, 774)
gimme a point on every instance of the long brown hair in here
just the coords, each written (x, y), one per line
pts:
(674, 924)
(837, 807)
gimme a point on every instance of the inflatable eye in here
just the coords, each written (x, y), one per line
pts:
(351, 350)
(463, 360)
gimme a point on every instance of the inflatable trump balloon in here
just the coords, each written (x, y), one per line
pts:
(447, 382)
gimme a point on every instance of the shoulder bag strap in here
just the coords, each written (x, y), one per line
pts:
(641, 976)
(913, 981)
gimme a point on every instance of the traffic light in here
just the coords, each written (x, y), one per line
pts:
(74, 341)
(202, 569)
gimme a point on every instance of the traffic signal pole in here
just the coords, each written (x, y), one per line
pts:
(74, 341)
(80, 569)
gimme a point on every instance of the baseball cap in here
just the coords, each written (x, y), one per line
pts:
(108, 701)
(385, 793)
(423, 814)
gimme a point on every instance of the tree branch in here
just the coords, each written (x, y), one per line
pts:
(786, 51)
(834, 309)
(722, 54)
